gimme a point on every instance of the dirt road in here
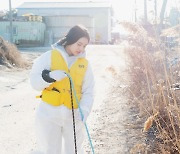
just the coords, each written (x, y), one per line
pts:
(106, 122)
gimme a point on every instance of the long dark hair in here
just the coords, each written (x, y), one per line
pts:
(74, 34)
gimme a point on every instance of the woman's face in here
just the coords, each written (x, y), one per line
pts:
(78, 47)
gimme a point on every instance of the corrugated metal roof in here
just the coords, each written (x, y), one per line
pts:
(65, 5)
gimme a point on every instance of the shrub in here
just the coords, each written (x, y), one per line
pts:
(9, 55)
(154, 88)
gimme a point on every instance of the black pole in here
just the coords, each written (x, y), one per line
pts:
(74, 126)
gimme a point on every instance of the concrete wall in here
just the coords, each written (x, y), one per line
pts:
(24, 32)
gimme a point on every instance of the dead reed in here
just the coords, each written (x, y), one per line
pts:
(154, 89)
(10, 56)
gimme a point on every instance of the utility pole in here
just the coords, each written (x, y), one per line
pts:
(163, 9)
(10, 24)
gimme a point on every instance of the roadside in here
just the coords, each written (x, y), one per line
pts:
(114, 122)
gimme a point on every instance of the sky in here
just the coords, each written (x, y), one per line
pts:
(123, 9)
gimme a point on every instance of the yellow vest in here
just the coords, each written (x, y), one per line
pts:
(58, 93)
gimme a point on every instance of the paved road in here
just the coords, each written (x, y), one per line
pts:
(105, 122)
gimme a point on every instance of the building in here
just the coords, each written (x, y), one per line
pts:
(59, 17)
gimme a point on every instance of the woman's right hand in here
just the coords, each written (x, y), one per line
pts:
(57, 75)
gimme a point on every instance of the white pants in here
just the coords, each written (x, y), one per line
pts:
(55, 130)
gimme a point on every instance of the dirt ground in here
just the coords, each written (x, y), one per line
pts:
(110, 122)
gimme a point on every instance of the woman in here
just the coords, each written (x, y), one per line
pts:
(54, 118)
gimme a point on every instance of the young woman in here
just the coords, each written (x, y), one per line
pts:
(54, 118)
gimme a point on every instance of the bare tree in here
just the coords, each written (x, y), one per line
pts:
(145, 11)
(163, 9)
(155, 10)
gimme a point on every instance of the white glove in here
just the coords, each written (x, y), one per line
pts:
(57, 75)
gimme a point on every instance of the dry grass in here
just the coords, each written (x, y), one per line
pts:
(10, 56)
(154, 84)
(149, 122)
(173, 31)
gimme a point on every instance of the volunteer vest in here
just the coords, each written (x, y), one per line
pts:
(59, 92)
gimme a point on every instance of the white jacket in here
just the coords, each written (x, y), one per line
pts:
(44, 62)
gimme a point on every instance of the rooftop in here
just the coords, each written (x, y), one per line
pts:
(64, 5)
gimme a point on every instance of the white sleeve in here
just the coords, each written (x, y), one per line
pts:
(41, 63)
(87, 98)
